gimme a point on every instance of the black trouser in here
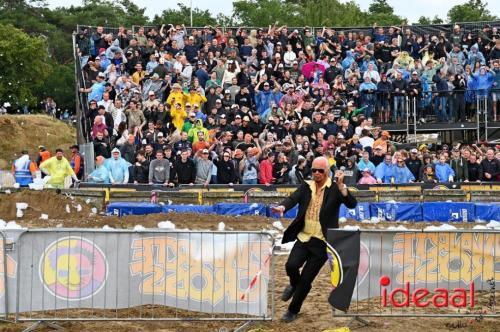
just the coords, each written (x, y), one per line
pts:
(313, 254)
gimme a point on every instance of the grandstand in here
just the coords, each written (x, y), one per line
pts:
(287, 92)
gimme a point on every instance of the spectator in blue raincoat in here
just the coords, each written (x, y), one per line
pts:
(384, 172)
(444, 172)
(101, 173)
(483, 81)
(475, 55)
(263, 98)
(349, 59)
(402, 173)
(117, 167)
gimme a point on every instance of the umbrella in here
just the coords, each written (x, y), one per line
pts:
(308, 69)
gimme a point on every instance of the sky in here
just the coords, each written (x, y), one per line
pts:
(412, 10)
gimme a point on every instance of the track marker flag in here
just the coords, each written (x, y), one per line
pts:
(343, 258)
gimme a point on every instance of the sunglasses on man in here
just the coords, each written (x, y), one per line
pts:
(318, 170)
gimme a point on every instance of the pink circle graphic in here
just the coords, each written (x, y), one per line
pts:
(73, 268)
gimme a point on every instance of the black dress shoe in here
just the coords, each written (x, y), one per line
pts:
(289, 317)
(287, 293)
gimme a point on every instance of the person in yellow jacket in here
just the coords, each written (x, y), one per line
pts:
(177, 101)
(57, 168)
(193, 132)
(195, 97)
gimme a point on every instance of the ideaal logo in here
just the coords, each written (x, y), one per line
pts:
(73, 268)
(435, 257)
(440, 297)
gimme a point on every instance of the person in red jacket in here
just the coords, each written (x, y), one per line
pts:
(266, 170)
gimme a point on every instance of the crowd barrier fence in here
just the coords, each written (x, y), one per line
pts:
(64, 275)
(424, 274)
(56, 275)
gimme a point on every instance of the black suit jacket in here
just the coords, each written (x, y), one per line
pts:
(329, 213)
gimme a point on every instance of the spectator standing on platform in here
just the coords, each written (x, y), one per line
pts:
(459, 165)
(117, 167)
(203, 167)
(444, 172)
(76, 161)
(159, 170)
(185, 169)
(491, 166)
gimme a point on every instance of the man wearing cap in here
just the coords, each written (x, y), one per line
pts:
(151, 103)
(319, 202)
(97, 89)
(414, 164)
(196, 96)
(43, 154)
(76, 162)
(203, 167)
(383, 142)
(177, 100)
(264, 96)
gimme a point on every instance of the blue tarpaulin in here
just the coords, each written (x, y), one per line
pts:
(180, 208)
(132, 208)
(235, 209)
(396, 211)
(360, 212)
(487, 211)
(449, 211)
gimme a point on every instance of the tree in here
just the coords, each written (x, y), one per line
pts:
(383, 14)
(471, 11)
(428, 21)
(264, 12)
(182, 15)
(24, 62)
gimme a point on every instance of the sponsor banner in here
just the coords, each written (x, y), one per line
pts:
(203, 272)
(423, 269)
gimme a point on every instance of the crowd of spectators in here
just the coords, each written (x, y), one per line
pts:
(168, 106)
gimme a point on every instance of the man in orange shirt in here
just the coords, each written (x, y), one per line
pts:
(43, 155)
(201, 143)
(24, 170)
(383, 142)
(76, 161)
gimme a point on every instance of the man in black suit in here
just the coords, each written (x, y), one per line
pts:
(319, 203)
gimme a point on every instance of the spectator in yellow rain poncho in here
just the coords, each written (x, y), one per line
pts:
(177, 101)
(57, 168)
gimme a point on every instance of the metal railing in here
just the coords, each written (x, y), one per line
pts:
(123, 275)
(396, 265)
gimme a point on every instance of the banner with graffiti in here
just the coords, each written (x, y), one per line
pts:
(197, 271)
(403, 269)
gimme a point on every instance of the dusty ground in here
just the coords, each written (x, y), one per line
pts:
(316, 314)
(30, 131)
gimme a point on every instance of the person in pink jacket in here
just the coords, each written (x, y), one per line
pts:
(367, 177)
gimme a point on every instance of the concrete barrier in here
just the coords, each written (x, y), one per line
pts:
(399, 196)
(484, 196)
(213, 197)
(266, 197)
(454, 195)
(365, 195)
